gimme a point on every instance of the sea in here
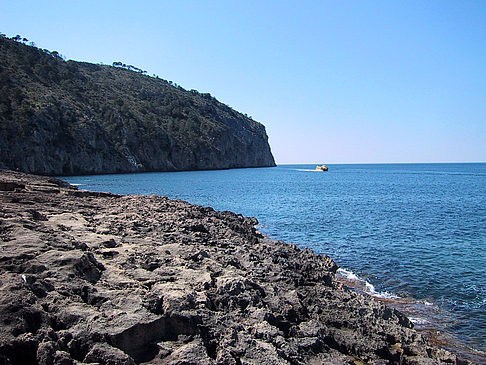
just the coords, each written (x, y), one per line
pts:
(412, 235)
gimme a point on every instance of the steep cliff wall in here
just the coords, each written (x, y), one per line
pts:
(64, 118)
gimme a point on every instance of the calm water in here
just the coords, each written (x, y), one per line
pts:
(406, 230)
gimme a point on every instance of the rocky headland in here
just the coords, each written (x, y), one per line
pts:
(89, 277)
(62, 117)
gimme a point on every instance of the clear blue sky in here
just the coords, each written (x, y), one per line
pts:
(333, 82)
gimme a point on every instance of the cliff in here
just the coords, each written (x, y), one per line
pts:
(91, 277)
(65, 118)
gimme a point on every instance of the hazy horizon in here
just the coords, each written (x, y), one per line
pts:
(333, 82)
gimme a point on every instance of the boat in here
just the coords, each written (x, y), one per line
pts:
(321, 168)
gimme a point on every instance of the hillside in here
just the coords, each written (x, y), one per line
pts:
(65, 117)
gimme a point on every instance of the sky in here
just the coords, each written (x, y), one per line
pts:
(332, 81)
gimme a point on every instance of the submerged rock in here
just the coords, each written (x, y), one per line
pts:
(111, 279)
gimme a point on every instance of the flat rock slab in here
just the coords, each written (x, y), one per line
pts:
(109, 279)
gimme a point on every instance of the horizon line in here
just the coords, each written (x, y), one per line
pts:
(375, 163)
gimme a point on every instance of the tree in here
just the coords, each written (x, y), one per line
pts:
(56, 54)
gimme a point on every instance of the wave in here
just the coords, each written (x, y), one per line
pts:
(426, 316)
(364, 285)
(418, 321)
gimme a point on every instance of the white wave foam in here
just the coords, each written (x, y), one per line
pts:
(368, 287)
(347, 274)
(385, 295)
(307, 170)
(418, 321)
(77, 184)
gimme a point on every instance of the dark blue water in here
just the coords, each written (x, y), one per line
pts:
(414, 230)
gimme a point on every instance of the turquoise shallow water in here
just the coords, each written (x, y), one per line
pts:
(411, 230)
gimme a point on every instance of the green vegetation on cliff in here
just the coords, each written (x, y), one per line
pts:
(64, 117)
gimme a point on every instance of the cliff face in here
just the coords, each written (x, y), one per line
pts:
(101, 278)
(65, 118)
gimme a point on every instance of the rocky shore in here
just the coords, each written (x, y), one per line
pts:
(91, 277)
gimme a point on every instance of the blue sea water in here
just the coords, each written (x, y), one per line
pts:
(410, 230)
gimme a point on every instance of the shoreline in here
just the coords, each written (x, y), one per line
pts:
(152, 171)
(92, 277)
(427, 317)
